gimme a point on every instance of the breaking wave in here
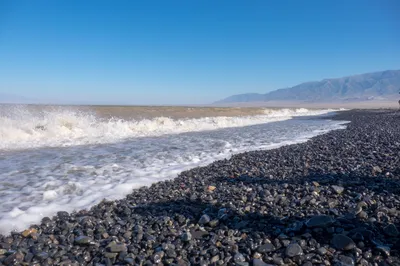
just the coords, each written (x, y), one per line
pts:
(21, 128)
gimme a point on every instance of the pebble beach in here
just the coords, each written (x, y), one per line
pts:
(333, 200)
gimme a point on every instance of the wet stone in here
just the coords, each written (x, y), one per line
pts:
(319, 221)
(265, 248)
(83, 240)
(110, 255)
(116, 247)
(28, 232)
(14, 259)
(337, 189)
(322, 251)
(345, 261)
(186, 237)
(204, 219)
(391, 230)
(293, 250)
(239, 258)
(41, 255)
(342, 242)
(258, 262)
(385, 250)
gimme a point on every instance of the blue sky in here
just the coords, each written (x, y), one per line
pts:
(193, 52)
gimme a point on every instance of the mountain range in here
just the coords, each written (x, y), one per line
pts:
(12, 98)
(370, 86)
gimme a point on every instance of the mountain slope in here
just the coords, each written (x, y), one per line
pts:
(12, 98)
(379, 85)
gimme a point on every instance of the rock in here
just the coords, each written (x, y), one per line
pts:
(83, 240)
(239, 258)
(211, 188)
(338, 189)
(258, 262)
(322, 251)
(110, 255)
(14, 259)
(345, 261)
(384, 250)
(41, 256)
(186, 237)
(265, 248)
(28, 232)
(343, 242)
(319, 221)
(391, 230)
(204, 219)
(116, 247)
(293, 250)
(215, 259)
(377, 169)
(213, 223)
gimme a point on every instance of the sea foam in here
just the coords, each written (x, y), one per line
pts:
(21, 128)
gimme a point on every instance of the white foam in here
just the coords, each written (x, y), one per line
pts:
(39, 182)
(21, 129)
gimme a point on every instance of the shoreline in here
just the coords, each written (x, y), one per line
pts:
(257, 207)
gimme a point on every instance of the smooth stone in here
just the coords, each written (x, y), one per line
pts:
(258, 262)
(238, 258)
(293, 250)
(204, 219)
(377, 169)
(322, 251)
(28, 232)
(268, 247)
(215, 259)
(83, 240)
(186, 237)
(110, 255)
(213, 223)
(384, 249)
(391, 230)
(116, 247)
(41, 255)
(337, 189)
(343, 242)
(345, 261)
(319, 221)
(14, 259)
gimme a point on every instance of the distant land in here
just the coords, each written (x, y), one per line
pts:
(383, 86)
(12, 98)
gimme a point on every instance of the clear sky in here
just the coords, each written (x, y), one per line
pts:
(177, 52)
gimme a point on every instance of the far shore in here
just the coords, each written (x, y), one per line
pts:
(376, 104)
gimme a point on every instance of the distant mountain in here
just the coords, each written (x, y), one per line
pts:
(11, 98)
(377, 85)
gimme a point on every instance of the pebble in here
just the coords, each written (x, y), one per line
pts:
(265, 248)
(319, 221)
(337, 189)
(28, 232)
(345, 261)
(263, 208)
(343, 242)
(204, 219)
(293, 250)
(391, 230)
(83, 240)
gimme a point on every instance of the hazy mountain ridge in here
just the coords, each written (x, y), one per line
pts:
(376, 85)
(12, 98)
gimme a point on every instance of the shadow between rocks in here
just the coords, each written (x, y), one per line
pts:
(262, 219)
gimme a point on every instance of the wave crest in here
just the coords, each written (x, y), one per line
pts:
(21, 128)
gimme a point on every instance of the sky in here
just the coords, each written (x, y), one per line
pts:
(188, 52)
